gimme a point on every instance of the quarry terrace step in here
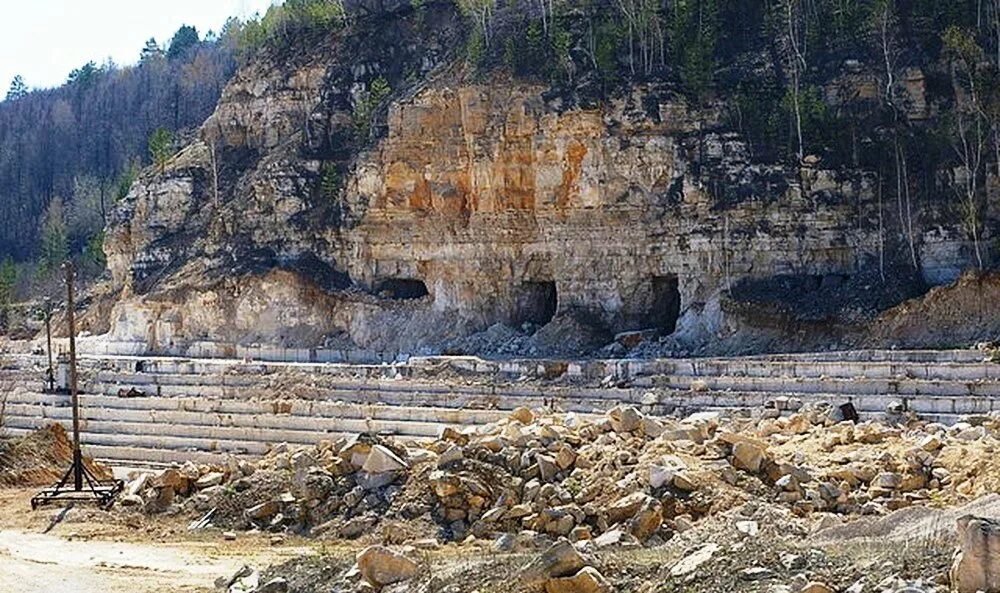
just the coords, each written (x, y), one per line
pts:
(263, 427)
(293, 414)
(202, 437)
(400, 393)
(459, 406)
(314, 356)
(131, 428)
(664, 400)
(855, 386)
(969, 370)
(220, 385)
(443, 407)
(926, 406)
(119, 455)
(627, 370)
(946, 419)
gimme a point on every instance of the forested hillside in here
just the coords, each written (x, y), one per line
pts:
(66, 154)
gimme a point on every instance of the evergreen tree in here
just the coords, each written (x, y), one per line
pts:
(150, 51)
(160, 147)
(17, 89)
(186, 37)
(84, 75)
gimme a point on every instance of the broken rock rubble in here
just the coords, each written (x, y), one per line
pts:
(621, 479)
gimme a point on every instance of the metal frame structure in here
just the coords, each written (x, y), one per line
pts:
(103, 492)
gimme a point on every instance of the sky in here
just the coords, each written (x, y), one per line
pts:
(43, 40)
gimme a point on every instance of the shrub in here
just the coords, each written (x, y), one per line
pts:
(364, 111)
(330, 181)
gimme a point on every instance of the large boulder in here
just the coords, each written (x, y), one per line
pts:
(748, 453)
(977, 562)
(587, 580)
(381, 460)
(748, 456)
(625, 419)
(208, 480)
(381, 566)
(647, 520)
(626, 508)
(560, 560)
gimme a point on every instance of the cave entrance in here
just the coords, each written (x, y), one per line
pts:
(666, 304)
(536, 302)
(404, 289)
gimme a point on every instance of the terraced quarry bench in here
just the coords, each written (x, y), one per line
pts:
(180, 409)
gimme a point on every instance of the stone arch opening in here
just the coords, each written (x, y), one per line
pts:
(536, 302)
(403, 289)
(665, 307)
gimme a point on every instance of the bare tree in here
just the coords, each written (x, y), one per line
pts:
(885, 29)
(971, 118)
(969, 146)
(794, 19)
(645, 33)
(547, 9)
(481, 12)
(994, 12)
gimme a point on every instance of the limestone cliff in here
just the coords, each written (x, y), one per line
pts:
(475, 200)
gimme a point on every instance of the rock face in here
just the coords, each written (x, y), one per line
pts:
(977, 563)
(479, 204)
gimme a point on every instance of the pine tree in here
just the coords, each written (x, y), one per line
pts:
(84, 75)
(150, 51)
(160, 147)
(17, 89)
(185, 38)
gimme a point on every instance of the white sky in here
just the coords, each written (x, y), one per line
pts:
(43, 40)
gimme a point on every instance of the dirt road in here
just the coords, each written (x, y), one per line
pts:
(31, 562)
(86, 555)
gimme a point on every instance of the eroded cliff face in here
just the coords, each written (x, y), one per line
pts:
(483, 202)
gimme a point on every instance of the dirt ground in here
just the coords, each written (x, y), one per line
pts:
(87, 553)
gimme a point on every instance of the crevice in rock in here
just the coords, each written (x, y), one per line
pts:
(404, 289)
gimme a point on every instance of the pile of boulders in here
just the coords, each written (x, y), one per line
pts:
(859, 468)
(619, 479)
(289, 488)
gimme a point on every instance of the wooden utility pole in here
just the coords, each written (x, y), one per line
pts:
(47, 311)
(74, 394)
